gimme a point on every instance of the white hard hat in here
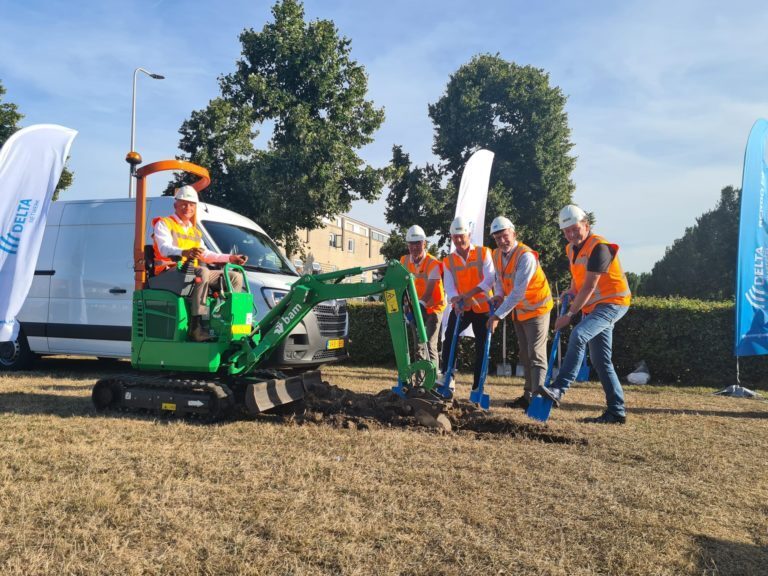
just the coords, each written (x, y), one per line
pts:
(460, 225)
(415, 234)
(571, 215)
(501, 223)
(186, 193)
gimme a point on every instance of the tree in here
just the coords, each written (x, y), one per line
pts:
(514, 112)
(9, 117)
(395, 246)
(702, 264)
(299, 78)
(638, 283)
(9, 123)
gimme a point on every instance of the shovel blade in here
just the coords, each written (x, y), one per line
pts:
(482, 400)
(539, 408)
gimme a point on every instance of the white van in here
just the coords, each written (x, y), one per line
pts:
(81, 297)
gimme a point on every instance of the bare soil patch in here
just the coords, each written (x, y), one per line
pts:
(332, 405)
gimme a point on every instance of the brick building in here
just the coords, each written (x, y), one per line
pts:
(342, 242)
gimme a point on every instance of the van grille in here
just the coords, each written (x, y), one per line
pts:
(331, 322)
(330, 354)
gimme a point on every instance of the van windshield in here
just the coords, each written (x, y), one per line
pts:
(263, 254)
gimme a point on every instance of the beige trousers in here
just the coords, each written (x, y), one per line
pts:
(532, 340)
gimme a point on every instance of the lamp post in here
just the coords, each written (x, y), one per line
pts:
(134, 158)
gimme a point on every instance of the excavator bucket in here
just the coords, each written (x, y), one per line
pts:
(266, 395)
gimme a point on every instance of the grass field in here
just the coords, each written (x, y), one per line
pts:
(680, 489)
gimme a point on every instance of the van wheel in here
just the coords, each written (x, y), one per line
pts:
(16, 355)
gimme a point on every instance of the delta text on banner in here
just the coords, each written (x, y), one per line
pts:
(31, 162)
(751, 334)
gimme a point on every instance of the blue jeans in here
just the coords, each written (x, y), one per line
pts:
(595, 330)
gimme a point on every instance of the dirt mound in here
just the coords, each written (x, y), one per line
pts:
(330, 405)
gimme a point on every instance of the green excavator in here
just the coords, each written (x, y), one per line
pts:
(176, 375)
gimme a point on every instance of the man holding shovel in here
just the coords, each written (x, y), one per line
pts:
(600, 290)
(468, 277)
(427, 274)
(521, 288)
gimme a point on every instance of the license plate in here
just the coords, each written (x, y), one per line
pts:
(335, 344)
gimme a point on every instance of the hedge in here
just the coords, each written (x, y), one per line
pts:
(683, 341)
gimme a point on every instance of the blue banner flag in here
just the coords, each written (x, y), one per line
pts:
(751, 336)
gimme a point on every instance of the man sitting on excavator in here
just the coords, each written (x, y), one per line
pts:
(178, 237)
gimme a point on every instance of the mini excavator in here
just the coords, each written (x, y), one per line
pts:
(178, 376)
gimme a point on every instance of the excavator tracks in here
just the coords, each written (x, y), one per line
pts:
(210, 400)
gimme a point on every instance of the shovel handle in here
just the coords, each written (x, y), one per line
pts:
(555, 340)
(452, 355)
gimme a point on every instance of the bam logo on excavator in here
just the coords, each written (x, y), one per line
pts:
(285, 320)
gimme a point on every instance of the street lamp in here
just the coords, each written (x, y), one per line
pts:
(134, 158)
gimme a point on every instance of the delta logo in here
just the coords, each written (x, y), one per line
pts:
(11, 239)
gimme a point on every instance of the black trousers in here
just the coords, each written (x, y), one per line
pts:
(479, 327)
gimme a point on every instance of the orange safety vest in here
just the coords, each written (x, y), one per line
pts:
(184, 238)
(612, 287)
(467, 275)
(537, 300)
(421, 274)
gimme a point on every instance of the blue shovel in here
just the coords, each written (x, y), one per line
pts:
(583, 374)
(477, 396)
(445, 389)
(541, 406)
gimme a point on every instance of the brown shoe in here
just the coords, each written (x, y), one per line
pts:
(198, 334)
(196, 331)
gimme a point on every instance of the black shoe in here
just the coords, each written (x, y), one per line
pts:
(521, 402)
(607, 418)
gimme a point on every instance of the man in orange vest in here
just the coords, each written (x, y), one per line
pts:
(600, 290)
(468, 277)
(521, 288)
(177, 236)
(427, 272)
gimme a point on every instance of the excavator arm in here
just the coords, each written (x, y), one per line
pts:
(396, 285)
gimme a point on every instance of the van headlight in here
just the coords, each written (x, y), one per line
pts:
(273, 296)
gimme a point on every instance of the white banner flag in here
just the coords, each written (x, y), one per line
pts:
(473, 193)
(470, 205)
(31, 162)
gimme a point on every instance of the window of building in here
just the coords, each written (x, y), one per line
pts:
(332, 240)
(351, 245)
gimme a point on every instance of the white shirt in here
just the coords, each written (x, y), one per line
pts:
(485, 284)
(524, 271)
(167, 248)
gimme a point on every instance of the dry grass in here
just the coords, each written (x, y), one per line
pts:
(681, 489)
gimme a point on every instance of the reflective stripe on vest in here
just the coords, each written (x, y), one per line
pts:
(183, 237)
(421, 274)
(612, 286)
(468, 274)
(537, 299)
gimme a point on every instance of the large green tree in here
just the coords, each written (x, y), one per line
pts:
(9, 123)
(513, 111)
(702, 264)
(298, 79)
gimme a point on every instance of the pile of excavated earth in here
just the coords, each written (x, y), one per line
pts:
(326, 404)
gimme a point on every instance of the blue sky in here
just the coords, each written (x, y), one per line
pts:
(661, 95)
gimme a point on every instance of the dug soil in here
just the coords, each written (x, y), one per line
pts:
(326, 404)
